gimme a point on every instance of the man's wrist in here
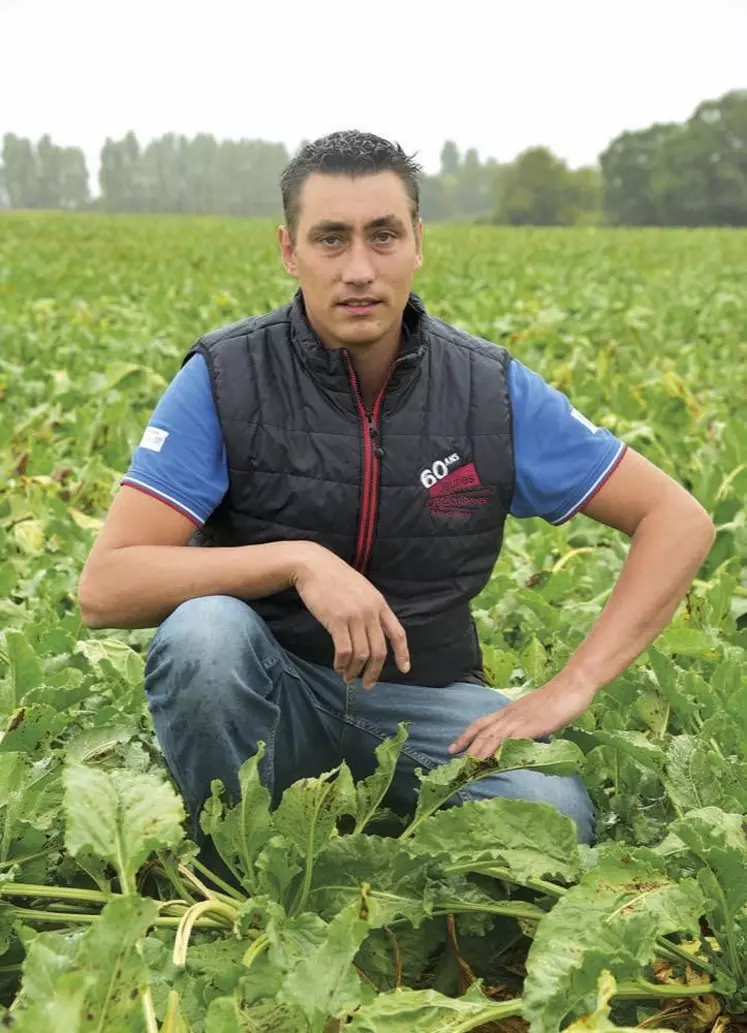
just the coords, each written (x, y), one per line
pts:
(296, 557)
(579, 680)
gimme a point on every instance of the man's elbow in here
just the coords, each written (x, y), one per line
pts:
(682, 517)
(704, 524)
(90, 603)
(699, 523)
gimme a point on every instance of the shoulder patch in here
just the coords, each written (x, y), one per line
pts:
(153, 438)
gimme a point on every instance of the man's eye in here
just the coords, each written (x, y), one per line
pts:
(330, 239)
(386, 234)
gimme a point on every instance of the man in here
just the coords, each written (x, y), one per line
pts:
(350, 461)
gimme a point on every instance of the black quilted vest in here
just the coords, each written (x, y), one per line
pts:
(413, 494)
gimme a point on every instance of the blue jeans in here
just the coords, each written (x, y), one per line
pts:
(217, 683)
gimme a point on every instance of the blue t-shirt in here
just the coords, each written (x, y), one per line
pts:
(561, 458)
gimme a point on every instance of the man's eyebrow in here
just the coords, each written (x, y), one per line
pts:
(385, 220)
(332, 226)
(329, 226)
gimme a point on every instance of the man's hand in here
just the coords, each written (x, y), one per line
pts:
(538, 714)
(356, 615)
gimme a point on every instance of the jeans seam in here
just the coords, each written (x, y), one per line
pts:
(366, 726)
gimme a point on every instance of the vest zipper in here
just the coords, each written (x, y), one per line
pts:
(373, 453)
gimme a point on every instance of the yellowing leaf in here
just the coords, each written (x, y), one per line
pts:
(29, 536)
(88, 523)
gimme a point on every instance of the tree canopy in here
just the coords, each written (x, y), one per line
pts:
(672, 174)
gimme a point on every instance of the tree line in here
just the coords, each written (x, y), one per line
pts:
(676, 174)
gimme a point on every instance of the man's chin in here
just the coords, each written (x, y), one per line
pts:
(361, 332)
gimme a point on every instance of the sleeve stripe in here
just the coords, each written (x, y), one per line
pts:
(598, 483)
(147, 489)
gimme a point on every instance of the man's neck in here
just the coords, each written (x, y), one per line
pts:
(372, 364)
(371, 361)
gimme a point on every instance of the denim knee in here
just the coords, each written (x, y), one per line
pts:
(205, 626)
(205, 636)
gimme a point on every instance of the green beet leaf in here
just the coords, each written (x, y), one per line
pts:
(26, 671)
(635, 745)
(175, 1021)
(599, 1021)
(93, 979)
(120, 816)
(609, 921)
(370, 791)
(308, 812)
(29, 804)
(560, 757)
(223, 1016)
(307, 818)
(276, 872)
(240, 832)
(530, 840)
(31, 730)
(324, 984)
(63, 1010)
(696, 777)
(688, 641)
(458, 895)
(127, 663)
(718, 842)
(396, 878)
(427, 1011)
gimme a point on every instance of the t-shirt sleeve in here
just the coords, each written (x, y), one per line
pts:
(181, 458)
(561, 459)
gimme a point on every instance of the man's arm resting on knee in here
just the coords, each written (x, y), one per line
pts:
(139, 570)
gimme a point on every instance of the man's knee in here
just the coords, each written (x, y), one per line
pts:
(204, 640)
(567, 794)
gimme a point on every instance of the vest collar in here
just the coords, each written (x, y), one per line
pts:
(328, 364)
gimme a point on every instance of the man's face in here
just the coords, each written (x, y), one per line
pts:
(355, 243)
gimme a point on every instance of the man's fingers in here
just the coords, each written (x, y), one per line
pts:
(343, 647)
(486, 744)
(396, 635)
(361, 650)
(377, 646)
(470, 732)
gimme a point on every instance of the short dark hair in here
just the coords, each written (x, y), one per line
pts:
(348, 152)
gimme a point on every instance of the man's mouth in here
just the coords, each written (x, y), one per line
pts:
(359, 305)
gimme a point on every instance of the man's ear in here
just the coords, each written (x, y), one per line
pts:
(287, 252)
(419, 244)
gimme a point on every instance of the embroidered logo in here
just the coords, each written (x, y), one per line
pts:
(456, 493)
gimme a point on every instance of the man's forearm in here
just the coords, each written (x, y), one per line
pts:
(667, 550)
(140, 585)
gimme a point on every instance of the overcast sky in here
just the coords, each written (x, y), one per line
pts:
(491, 74)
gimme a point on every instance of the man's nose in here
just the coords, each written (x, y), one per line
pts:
(359, 267)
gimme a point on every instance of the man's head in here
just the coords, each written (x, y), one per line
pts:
(353, 233)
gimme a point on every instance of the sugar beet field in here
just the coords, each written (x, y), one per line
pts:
(482, 917)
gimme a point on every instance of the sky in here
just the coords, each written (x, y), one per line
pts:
(492, 74)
